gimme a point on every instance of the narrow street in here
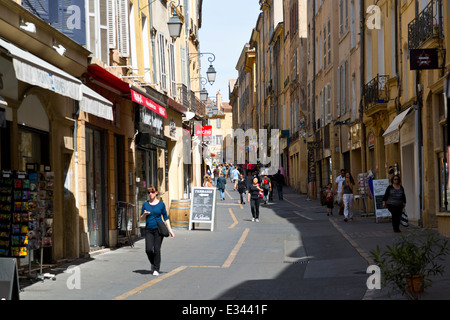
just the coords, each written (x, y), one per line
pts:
(294, 252)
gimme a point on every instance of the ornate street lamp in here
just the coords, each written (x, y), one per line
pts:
(211, 72)
(174, 25)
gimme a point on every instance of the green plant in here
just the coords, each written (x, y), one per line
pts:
(409, 256)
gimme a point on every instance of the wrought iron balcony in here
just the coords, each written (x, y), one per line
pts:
(426, 26)
(376, 91)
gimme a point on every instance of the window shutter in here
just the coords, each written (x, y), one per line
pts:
(338, 91)
(103, 48)
(173, 84)
(123, 28)
(162, 61)
(112, 33)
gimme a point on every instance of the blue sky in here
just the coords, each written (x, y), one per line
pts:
(226, 27)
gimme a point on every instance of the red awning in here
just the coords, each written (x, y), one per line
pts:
(108, 79)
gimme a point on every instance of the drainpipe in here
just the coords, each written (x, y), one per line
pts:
(362, 72)
(153, 35)
(419, 135)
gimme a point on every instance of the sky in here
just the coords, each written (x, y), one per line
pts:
(226, 27)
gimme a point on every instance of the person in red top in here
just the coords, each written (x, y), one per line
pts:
(329, 198)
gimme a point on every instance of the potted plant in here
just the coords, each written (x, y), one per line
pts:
(410, 261)
(435, 30)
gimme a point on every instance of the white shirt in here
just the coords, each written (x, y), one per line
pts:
(339, 180)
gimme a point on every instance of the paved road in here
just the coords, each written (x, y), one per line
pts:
(295, 252)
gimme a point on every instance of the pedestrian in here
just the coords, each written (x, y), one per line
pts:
(347, 190)
(395, 200)
(254, 198)
(216, 175)
(152, 211)
(279, 180)
(267, 187)
(208, 170)
(338, 191)
(221, 182)
(235, 178)
(207, 181)
(329, 199)
(242, 187)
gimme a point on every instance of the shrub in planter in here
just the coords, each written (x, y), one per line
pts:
(407, 265)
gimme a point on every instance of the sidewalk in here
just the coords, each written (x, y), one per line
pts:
(364, 234)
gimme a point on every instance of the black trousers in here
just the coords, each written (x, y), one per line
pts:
(241, 194)
(153, 242)
(396, 212)
(254, 205)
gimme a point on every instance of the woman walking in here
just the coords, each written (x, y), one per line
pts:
(241, 187)
(347, 187)
(152, 210)
(253, 198)
(395, 200)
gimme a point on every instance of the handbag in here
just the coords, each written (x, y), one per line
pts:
(404, 219)
(162, 229)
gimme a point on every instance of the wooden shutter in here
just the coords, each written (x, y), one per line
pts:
(112, 32)
(123, 28)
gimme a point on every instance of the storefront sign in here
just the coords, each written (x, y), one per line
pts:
(371, 141)
(143, 100)
(151, 122)
(205, 131)
(423, 59)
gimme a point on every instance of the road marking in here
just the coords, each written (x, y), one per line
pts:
(160, 278)
(150, 283)
(234, 219)
(228, 194)
(236, 249)
(303, 216)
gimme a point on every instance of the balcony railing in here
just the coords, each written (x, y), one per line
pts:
(376, 91)
(427, 25)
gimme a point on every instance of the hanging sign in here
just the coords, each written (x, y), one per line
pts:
(423, 59)
(205, 131)
(150, 104)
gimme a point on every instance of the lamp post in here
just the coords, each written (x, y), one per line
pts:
(211, 72)
(175, 23)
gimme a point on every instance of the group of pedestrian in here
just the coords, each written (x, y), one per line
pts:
(343, 194)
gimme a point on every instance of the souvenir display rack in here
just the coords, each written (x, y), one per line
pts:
(26, 213)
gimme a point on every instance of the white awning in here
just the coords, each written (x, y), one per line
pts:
(35, 71)
(95, 104)
(392, 133)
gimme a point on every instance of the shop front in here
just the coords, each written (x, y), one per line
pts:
(151, 147)
(37, 142)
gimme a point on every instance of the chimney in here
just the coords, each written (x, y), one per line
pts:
(219, 100)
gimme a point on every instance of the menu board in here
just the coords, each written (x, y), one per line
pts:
(379, 188)
(203, 206)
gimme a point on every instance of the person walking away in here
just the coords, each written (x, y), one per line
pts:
(395, 200)
(339, 192)
(221, 182)
(216, 175)
(279, 180)
(267, 186)
(235, 177)
(347, 187)
(329, 199)
(154, 210)
(253, 198)
(241, 187)
(208, 181)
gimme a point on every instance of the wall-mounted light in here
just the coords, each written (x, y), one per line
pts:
(175, 23)
(60, 49)
(211, 72)
(27, 26)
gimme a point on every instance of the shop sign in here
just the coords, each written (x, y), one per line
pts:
(151, 122)
(371, 141)
(205, 131)
(424, 59)
(150, 104)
